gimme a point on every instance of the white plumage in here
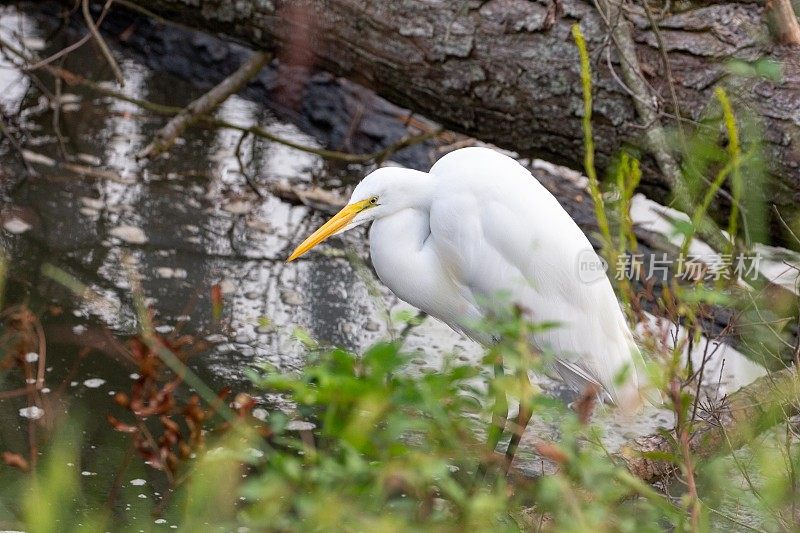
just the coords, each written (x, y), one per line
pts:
(478, 226)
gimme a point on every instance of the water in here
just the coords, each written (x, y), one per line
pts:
(179, 227)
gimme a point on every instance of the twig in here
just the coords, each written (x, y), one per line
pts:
(165, 137)
(242, 168)
(380, 155)
(56, 105)
(74, 46)
(655, 136)
(667, 69)
(783, 22)
(377, 156)
(109, 57)
(752, 407)
(683, 429)
(17, 146)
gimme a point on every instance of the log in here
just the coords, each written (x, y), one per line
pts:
(507, 71)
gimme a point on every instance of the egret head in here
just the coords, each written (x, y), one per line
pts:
(383, 192)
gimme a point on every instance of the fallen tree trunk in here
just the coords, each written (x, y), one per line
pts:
(507, 71)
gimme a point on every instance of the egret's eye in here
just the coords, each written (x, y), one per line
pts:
(373, 200)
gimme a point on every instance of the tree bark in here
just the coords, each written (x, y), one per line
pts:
(507, 71)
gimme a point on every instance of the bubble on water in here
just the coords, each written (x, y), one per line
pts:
(164, 328)
(165, 272)
(238, 207)
(94, 383)
(94, 204)
(79, 329)
(216, 337)
(31, 357)
(16, 226)
(87, 473)
(33, 412)
(170, 273)
(300, 425)
(129, 234)
(160, 521)
(138, 482)
(255, 452)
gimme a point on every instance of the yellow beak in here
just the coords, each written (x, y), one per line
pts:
(331, 227)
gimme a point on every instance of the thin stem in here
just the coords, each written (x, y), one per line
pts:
(104, 49)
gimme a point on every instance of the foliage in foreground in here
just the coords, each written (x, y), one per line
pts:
(369, 447)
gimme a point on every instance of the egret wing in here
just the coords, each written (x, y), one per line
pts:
(507, 235)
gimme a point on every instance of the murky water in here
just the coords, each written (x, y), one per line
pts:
(178, 226)
(181, 226)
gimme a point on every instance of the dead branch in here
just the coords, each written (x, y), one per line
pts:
(766, 402)
(165, 137)
(314, 197)
(4, 131)
(74, 46)
(782, 21)
(72, 78)
(101, 43)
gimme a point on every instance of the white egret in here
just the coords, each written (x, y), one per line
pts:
(478, 225)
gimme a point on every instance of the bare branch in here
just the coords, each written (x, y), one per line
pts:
(101, 43)
(769, 400)
(165, 137)
(783, 21)
(74, 46)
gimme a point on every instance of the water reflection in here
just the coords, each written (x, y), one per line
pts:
(190, 222)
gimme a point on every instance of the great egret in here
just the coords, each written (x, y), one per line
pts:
(449, 241)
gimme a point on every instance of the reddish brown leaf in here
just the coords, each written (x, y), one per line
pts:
(551, 451)
(120, 425)
(170, 425)
(15, 460)
(122, 399)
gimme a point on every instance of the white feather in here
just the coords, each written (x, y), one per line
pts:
(479, 225)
